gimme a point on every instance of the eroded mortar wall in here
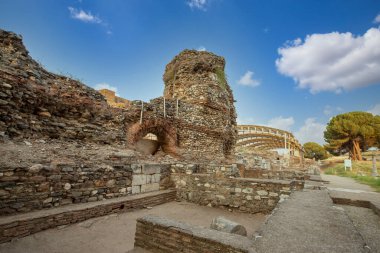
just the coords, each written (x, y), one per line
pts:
(36, 103)
(223, 186)
(198, 78)
(198, 118)
(39, 186)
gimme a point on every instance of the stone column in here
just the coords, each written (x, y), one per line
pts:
(374, 169)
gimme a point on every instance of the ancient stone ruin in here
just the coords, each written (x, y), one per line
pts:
(196, 115)
(70, 153)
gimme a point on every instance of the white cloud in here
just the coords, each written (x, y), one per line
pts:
(84, 16)
(281, 123)
(201, 48)
(101, 86)
(197, 4)
(247, 80)
(333, 61)
(311, 131)
(377, 19)
(375, 110)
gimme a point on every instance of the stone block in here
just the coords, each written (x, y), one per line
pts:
(48, 200)
(156, 178)
(67, 186)
(262, 193)
(37, 179)
(136, 168)
(150, 187)
(110, 183)
(248, 190)
(92, 199)
(136, 189)
(151, 169)
(222, 224)
(35, 168)
(148, 179)
(138, 180)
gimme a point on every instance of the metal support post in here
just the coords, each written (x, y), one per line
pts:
(164, 108)
(141, 113)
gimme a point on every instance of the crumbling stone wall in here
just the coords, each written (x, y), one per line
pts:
(195, 117)
(41, 186)
(114, 100)
(198, 78)
(276, 174)
(35, 102)
(243, 194)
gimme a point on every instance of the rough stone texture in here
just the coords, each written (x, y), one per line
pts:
(276, 174)
(246, 195)
(309, 222)
(228, 170)
(159, 234)
(35, 102)
(198, 117)
(25, 224)
(196, 114)
(114, 100)
(368, 225)
(224, 225)
(59, 183)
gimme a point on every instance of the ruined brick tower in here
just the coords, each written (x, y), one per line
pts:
(198, 79)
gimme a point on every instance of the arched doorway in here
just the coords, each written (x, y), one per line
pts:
(153, 135)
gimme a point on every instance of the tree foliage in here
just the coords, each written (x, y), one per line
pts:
(314, 150)
(353, 132)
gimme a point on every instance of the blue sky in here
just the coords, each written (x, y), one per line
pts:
(292, 64)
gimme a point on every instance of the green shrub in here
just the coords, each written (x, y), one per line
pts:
(221, 76)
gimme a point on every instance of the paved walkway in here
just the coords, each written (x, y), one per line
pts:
(348, 191)
(348, 188)
(349, 184)
(309, 222)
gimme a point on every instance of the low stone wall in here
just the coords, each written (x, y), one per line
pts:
(162, 235)
(45, 186)
(243, 194)
(21, 225)
(275, 174)
(231, 170)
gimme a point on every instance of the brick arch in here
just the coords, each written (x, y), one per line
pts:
(166, 134)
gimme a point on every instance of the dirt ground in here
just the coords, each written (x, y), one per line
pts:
(115, 233)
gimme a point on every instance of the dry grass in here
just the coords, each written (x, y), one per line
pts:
(361, 172)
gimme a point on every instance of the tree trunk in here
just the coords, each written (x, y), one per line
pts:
(356, 152)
